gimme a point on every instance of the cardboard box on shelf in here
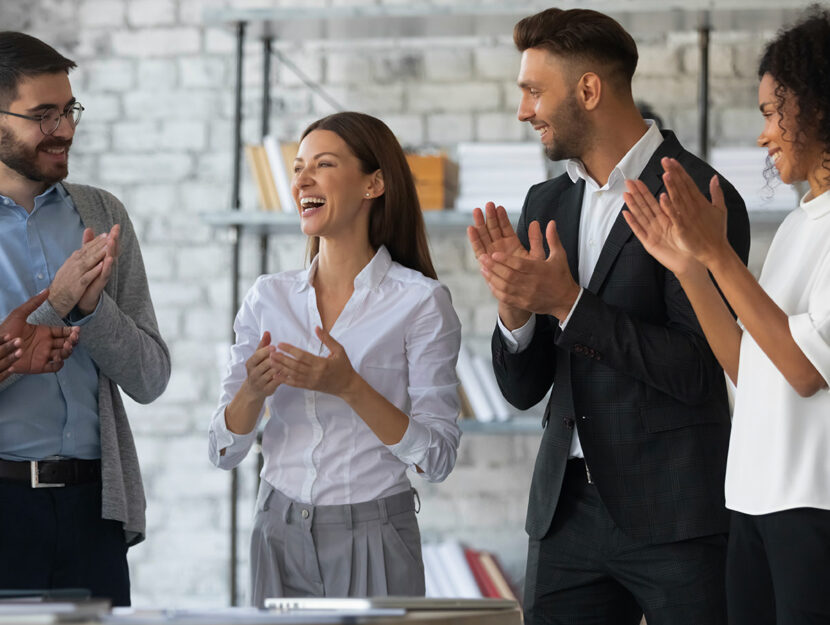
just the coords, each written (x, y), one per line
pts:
(436, 180)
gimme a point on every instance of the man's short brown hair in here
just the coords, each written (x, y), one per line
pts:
(583, 37)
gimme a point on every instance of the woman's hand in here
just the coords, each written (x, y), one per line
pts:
(699, 223)
(331, 374)
(263, 376)
(655, 230)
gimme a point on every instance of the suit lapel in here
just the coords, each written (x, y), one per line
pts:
(620, 231)
(567, 224)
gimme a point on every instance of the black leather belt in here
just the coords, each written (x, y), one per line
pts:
(50, 473)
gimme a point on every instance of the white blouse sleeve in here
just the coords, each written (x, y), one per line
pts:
(811, 329)
(433, 338)
(248, 335)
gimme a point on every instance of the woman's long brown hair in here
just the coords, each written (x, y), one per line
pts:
(395, 218)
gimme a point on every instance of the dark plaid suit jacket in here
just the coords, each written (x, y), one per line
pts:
(632, 370)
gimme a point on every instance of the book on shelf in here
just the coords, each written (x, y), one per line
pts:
(480, 388)
(497, 576)
(280, 156)
(452, 569)
(261, 171)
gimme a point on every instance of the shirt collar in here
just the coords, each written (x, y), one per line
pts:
(41, 198)
(816, 207)
(369, 277)
(630, 166)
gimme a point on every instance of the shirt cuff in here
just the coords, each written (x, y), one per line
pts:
(564, 322)
(517, 340)
(75, 318)
(811, 341)
(413, 446)
(223, 438)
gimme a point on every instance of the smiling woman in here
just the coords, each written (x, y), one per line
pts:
(360, 385)
(778, 475)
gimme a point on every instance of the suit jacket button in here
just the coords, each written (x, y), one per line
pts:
(569, 423)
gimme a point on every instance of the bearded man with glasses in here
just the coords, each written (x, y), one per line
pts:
(71, 498)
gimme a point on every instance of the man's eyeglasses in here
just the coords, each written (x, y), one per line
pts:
(51, 119)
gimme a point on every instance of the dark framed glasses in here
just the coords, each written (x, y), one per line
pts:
(51, 119)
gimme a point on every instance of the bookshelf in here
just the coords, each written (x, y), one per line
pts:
(519, 424)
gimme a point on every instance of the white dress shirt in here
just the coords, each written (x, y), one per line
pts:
(401, 335)
(779, 451)
(600, 207)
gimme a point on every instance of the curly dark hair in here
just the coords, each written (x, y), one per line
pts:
(798, 59)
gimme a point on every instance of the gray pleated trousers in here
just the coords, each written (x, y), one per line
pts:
(367, 549)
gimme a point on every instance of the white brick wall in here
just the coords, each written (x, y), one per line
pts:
(157, 86)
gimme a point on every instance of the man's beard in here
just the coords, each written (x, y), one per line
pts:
(19, 157)
(570, 126)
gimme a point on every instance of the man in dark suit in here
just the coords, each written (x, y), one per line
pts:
(626, 514)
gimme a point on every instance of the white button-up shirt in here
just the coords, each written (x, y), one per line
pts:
(600, 207)
(401, 335)
(779, 450)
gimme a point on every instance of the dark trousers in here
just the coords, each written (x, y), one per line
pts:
(778, 568)
(53, 538)
(586, 571)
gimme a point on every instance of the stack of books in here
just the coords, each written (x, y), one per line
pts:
(453, 570)
(498, 172)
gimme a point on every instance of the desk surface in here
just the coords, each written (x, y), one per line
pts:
(511, 616)
(458, 617)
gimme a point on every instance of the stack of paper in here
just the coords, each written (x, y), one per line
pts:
(498, 172)
(744, 168)
(447, 572)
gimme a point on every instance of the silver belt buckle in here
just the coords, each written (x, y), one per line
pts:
(33, 466)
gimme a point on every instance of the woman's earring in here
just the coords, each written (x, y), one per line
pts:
(367, 195)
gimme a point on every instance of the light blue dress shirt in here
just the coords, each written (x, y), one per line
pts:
(51, 414)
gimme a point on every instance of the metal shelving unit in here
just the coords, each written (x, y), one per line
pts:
(265, 223)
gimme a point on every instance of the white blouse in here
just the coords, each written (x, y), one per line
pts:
(401, 335)
(779, 453)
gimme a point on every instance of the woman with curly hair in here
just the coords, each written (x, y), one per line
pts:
(778, 354)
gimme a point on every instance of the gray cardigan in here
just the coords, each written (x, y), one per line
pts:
(124, 342)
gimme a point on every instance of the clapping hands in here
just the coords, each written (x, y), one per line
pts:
(683, 229)
(523, 281)
(270, 366)
(83, 276)
(27, 348)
